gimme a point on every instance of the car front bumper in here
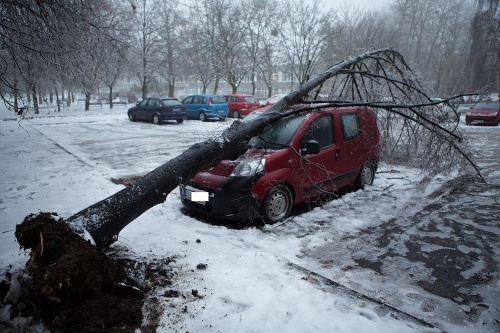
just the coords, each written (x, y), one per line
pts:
(233, 200)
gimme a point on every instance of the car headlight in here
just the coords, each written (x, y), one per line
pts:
(492, 114)
(249, 168)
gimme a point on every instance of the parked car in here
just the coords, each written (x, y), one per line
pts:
(271, 100)
(240, 105)
(206, 107)
(293, 160)
(158, 110)
(484, 113)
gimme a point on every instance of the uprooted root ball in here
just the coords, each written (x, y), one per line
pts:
(80, 288)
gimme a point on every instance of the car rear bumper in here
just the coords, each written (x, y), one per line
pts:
(480, 120)
(233, 200)
(172, 116)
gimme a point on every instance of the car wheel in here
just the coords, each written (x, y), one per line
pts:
(236, 114)
(131, 116)
(156, 120)
(277, 204)
(180, 121)
(365, 176)
(203, 116)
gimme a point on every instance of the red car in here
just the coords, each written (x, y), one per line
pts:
(484, 113)
(294, 159)
(241, 105)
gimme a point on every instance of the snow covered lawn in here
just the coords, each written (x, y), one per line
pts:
(409, 254)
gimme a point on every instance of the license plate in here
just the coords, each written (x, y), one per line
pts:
(176, 109)
(192, 194)
(477, 122)
(220, 111)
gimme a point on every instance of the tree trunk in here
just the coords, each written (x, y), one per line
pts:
(105, 219)
(35, 98)
(87, 101)
(110, 96)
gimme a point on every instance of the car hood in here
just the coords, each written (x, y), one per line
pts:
(226, 167)
(215, 175)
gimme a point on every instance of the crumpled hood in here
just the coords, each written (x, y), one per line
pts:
(226, 167)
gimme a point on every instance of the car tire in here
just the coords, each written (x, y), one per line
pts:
(180, 121)
(156, 120)
(277, 204)
(366, 176)
(131, 117)
(236, 114)
(203, 116)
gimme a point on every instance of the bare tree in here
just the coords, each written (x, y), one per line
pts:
(43, 36)
(173, 62)
(260, 39)
(147, 43)
(484, 58)
(304, 30)
(433, 36)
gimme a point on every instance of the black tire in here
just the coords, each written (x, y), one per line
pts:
(180, 121)
(202, 116)
(156, 120)
(131, 116)
(236, 114)
(366, 176)
(277, 204)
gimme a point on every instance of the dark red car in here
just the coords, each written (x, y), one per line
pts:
(241, 105)
(484, 113)
(293, 160)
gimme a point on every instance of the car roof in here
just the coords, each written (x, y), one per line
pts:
(239, 95)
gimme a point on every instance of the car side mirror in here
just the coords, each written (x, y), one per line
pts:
(312, 148)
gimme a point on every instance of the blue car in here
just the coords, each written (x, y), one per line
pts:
(206, 107)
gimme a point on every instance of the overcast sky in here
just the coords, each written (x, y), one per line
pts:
(363, 4)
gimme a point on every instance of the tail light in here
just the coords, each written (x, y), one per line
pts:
(163, 110)
(210, 101)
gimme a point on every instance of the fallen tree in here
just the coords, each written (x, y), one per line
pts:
(370, 76)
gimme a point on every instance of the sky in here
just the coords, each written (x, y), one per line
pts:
(362, 4)
(278, 279)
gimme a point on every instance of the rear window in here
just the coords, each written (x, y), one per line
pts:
(488, 106)
(169, 101)
(250, 99)
(350, 125)
(218, 100)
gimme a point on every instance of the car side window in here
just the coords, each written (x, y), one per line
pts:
(320, 130)
(188, 100)
(144, 102)
(350, 125)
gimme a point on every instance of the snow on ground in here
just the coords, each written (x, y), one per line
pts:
(345, 266)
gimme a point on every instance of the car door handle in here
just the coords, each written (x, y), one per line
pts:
(337, 154)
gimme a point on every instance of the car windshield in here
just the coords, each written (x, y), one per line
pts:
(170, 101)
(489, 106)
(278, 134)
(250, 99)
(218, 100)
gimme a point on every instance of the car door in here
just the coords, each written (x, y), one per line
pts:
(188, 103)
(316, 173)
(352, 150)
(141, 109)
(151, 108)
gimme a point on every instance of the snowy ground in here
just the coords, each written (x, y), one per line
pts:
(413, 253)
